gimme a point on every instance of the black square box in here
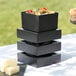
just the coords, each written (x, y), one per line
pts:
(39, 49)
(38, 37)
(39, 61)
(39, 23)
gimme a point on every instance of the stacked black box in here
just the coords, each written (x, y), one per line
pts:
(38, 45)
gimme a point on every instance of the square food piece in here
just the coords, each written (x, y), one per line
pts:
(38, 37)
(12, 70)
(7, 63)
(39, 23)
(39, 61)
(39, 49)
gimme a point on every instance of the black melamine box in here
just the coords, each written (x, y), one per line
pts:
(39, 23)
(39, 61)
(38, 37)
(39, 49)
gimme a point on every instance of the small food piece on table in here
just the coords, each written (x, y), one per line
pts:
(73, 15)
(2, 67)
(73, 12)
(7, 63)
(12, 70)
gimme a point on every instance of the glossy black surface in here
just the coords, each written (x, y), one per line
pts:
(39, 61)
(38, 37)
(39, 49)
(39, 23)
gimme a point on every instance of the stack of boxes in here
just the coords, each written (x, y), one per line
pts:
(38, 39)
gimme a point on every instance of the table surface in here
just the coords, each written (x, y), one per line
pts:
(67, 66)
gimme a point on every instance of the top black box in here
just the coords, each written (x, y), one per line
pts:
(39, 23)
